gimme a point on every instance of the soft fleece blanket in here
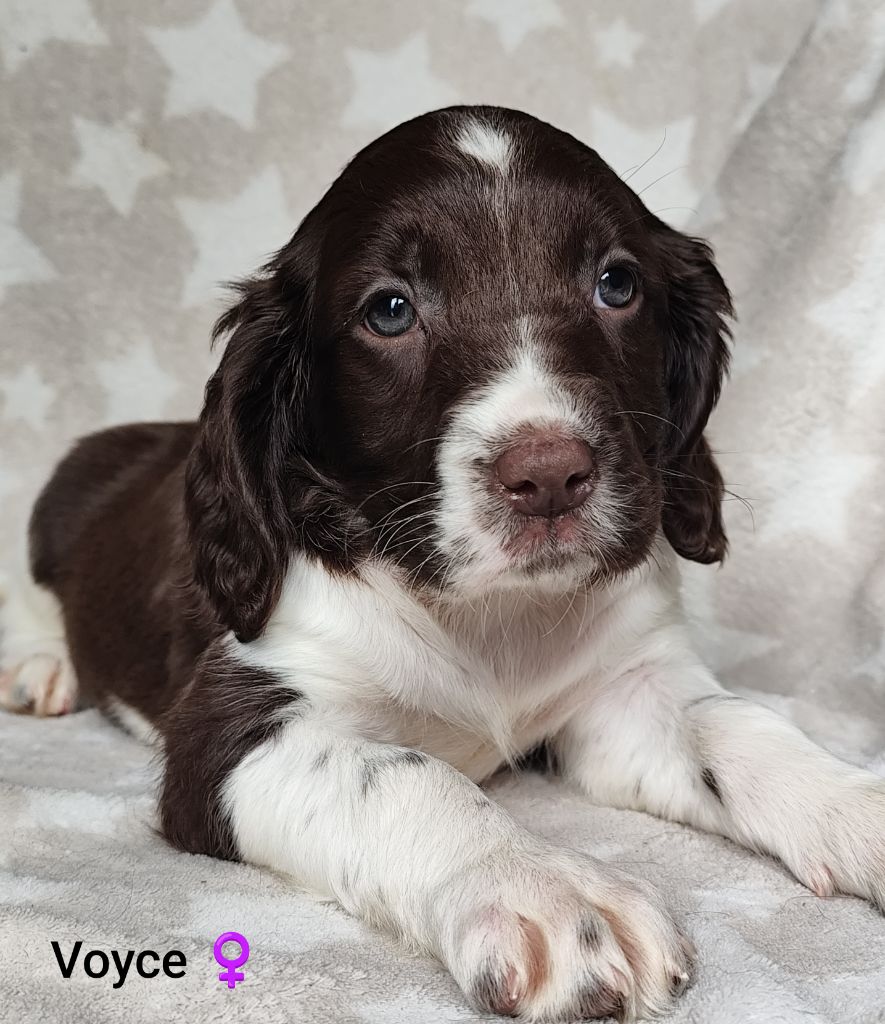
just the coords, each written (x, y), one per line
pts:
(149, 150)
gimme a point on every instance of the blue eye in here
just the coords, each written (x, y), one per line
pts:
(616, 288)
(390, 315)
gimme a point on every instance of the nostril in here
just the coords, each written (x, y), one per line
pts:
(524, 487)
(577, 478)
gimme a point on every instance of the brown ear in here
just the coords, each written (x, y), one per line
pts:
(243, 467)
(696, 360)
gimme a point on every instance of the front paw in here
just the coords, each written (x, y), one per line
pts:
(551, 935)
(841, 848)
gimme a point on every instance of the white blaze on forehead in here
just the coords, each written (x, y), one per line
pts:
(486, 143)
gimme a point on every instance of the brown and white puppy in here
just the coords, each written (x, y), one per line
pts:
(429, 519)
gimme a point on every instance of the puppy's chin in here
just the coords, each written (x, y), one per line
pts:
(547, 580)
(537, 562)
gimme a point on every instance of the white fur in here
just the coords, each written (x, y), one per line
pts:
(636, 719)
(38, 677)
(482, 141)
(471, 683)
(418, 849)
(644, 739)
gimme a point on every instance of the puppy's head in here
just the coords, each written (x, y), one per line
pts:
(480, 360)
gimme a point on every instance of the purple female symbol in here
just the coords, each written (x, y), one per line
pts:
(230, 975)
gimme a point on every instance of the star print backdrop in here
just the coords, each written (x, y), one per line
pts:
(150, 150)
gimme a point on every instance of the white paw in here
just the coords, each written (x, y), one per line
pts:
(40, 684)
(551, 935)
(842, 847)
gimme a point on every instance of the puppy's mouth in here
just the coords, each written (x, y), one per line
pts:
(544, 539)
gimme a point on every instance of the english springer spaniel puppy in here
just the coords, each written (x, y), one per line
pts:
(429, 519)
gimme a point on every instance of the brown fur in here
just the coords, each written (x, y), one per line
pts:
(316, 436)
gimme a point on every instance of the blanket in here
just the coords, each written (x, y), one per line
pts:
(150, 151)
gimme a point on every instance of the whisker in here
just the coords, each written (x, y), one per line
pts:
(427, 440)
(390, 487)
(406, 504)
(634, 171)
(564, 615)
(400, 536)
(667, 174)
(652, 415)
(732, 495)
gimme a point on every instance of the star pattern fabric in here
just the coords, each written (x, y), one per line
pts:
(10, 484)
(617, 43)
(393, 85)
(135, 385)
(21, 261)
(25, 26)
(113, 159)
(153, 151)
(655, 162)
(515, 20)
(760, 81)
(865, 159)
(812, 492)
(216, 64)
(854, 319)
(706, 10)
(257, 217)
(26, 397)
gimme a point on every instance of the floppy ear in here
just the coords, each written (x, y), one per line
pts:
(246, 459)
(696, 360)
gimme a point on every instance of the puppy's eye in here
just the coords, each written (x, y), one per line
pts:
(390, 315)
(616, 288)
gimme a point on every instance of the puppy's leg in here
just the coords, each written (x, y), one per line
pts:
(36, 675)
(664, 737)
(408, 843)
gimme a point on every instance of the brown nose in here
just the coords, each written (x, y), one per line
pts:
(545, 474)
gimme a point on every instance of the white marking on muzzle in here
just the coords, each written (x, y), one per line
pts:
(525, 396)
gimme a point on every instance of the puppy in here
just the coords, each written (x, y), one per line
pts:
(430, 518)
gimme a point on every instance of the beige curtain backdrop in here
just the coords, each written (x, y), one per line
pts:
(150, 150)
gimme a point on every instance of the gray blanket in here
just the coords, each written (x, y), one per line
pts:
(149, 150)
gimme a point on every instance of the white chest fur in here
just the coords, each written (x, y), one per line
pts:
(472, 682)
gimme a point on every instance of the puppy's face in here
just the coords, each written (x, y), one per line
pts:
(486, 357)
